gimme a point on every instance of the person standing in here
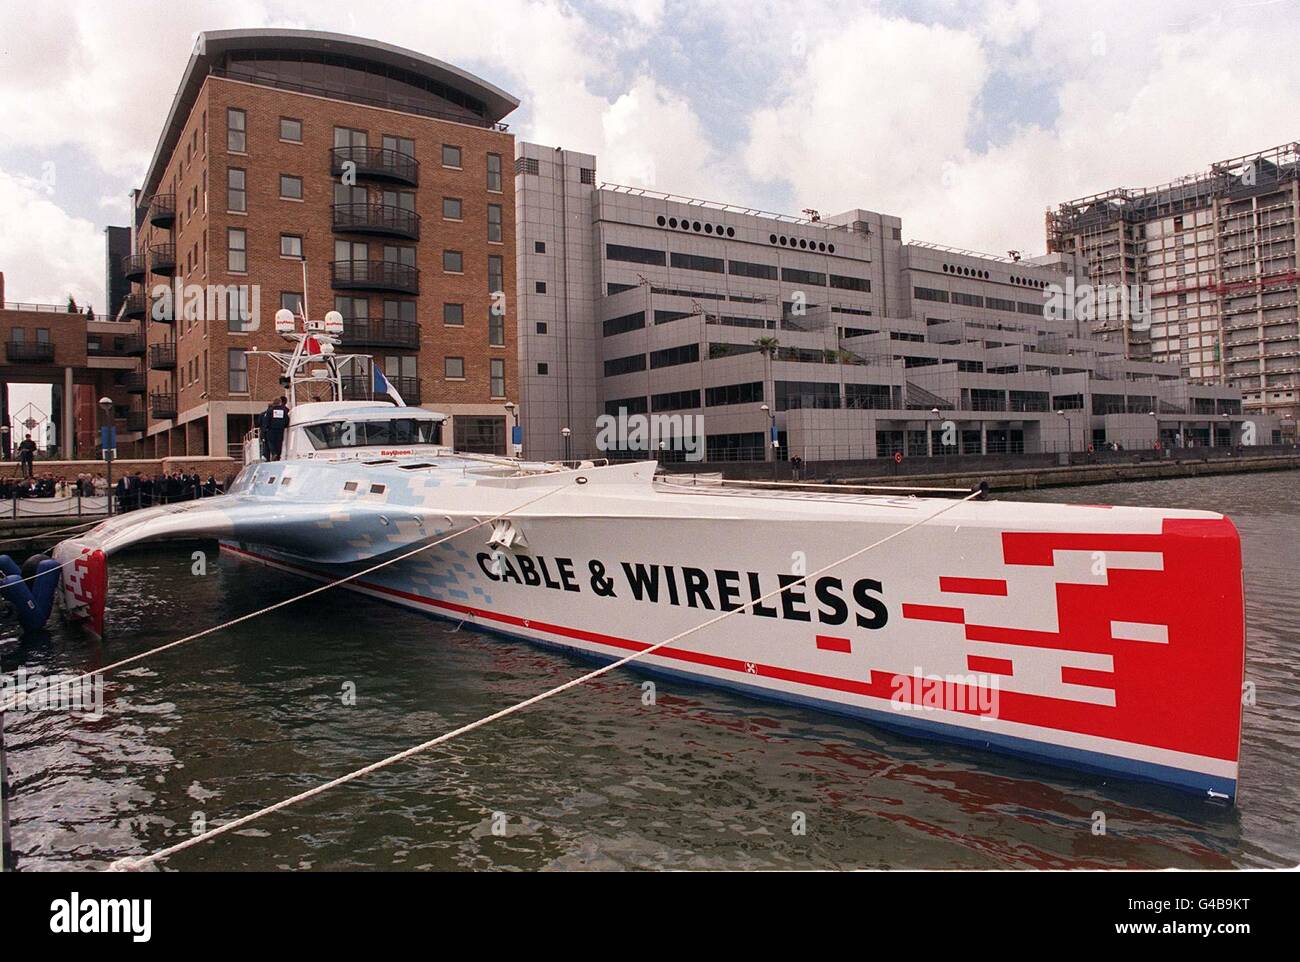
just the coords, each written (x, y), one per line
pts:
(27, 455)
(275, 421)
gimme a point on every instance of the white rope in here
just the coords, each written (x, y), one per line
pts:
(45, 534)
(132, 864)
(289, 601)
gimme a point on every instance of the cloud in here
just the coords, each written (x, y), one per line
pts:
(53, 255)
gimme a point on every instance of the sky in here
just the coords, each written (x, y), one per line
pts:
(966, 119)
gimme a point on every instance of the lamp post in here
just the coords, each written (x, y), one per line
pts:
(516, 439)
(1069, 435)
(929, 434)
(1156, 420)
(769, 446)
(567, 434)
(108, 439)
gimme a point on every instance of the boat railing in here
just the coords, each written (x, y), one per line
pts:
(253, 446)
(716, 482)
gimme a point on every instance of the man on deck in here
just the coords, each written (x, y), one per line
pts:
(27, 455)
(274, 420)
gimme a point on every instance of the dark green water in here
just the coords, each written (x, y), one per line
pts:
(593, 778)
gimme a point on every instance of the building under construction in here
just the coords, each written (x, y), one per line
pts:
(1216, 252)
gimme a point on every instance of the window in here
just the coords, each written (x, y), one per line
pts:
(844, 283)
(450, 156)
(586, 175)
(539, 247)
(291, 130)
(621, 325)
(400, 145)
(236, 196)
(480, 435)
(236, 130)
(931, 294)
(541, 327)
(290, 187)
(494, 223)
(451, 208)
(239, 318)
(237, 250)
(453, 262)
(497, 377)
(290, 245)
(634, 255)
(494, 172)
(624, 365)
(453, 315)
(496, 274)
(238, 371)
(670, 356)
(748, 269)
(543, 368)
(453, 368)
(496, 329)
(675, 400)
(795, 276)
(725, 394)
(694, 262)
(291, 301)
(539, 287)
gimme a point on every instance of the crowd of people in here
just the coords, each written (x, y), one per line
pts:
(132, 491)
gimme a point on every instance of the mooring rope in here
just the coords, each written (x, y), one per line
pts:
(288, 601)
(45, 534)
(133, 864)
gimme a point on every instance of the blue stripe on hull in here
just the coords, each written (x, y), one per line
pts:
(1100, 763)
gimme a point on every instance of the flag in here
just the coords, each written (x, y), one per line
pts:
(380, 385)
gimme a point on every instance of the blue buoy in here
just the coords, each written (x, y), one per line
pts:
(33, 599)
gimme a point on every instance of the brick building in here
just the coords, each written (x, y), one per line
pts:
(380, 168)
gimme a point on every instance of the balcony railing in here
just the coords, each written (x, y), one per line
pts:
(137, 382)
(162, 406)
(374, 276)
(136, 421)
(162, 210)
(381, 332)
(383, 219)
(108, 345)
(29, 352)
(162, 259)
(134, 267)
(358, 388)
(133, 306)
(162, 357)
(376, 163)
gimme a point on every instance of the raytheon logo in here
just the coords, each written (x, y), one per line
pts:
(74, 916)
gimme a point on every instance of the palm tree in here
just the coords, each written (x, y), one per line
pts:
(768, 346)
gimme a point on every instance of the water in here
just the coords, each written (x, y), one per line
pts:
(591, 779)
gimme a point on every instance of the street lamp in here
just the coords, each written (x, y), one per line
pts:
(769, 448)
(1069, 434)
(516, 440)
(108, 437)
(929, 435)
(566, 433)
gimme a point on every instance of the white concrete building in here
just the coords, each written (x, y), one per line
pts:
(850, 342)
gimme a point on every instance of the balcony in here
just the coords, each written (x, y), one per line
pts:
(136, 421)
(381, 332)
(162, 407)
(383, 220)
(29, 352)
(137, 382)
(357, 388)
(134, 267)
(374, 276)
(162, 310)
(115, 345)
(162, 259)
(133, 307)
(162, 357)
(162, 210)
(376, 163)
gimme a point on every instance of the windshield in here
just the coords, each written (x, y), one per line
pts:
(370, 433)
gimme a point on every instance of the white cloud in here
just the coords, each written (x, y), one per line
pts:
(52, 255)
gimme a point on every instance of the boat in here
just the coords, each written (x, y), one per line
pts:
(1105, 639)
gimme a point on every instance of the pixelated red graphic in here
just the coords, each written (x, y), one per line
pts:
(1184, 695)
(989, 666)
(974, 586)
(831, 643)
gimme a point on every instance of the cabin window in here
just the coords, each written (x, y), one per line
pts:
(378, 488)
(350, 486)
(368, 433)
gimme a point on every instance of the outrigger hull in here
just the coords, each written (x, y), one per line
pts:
(1104, 639)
